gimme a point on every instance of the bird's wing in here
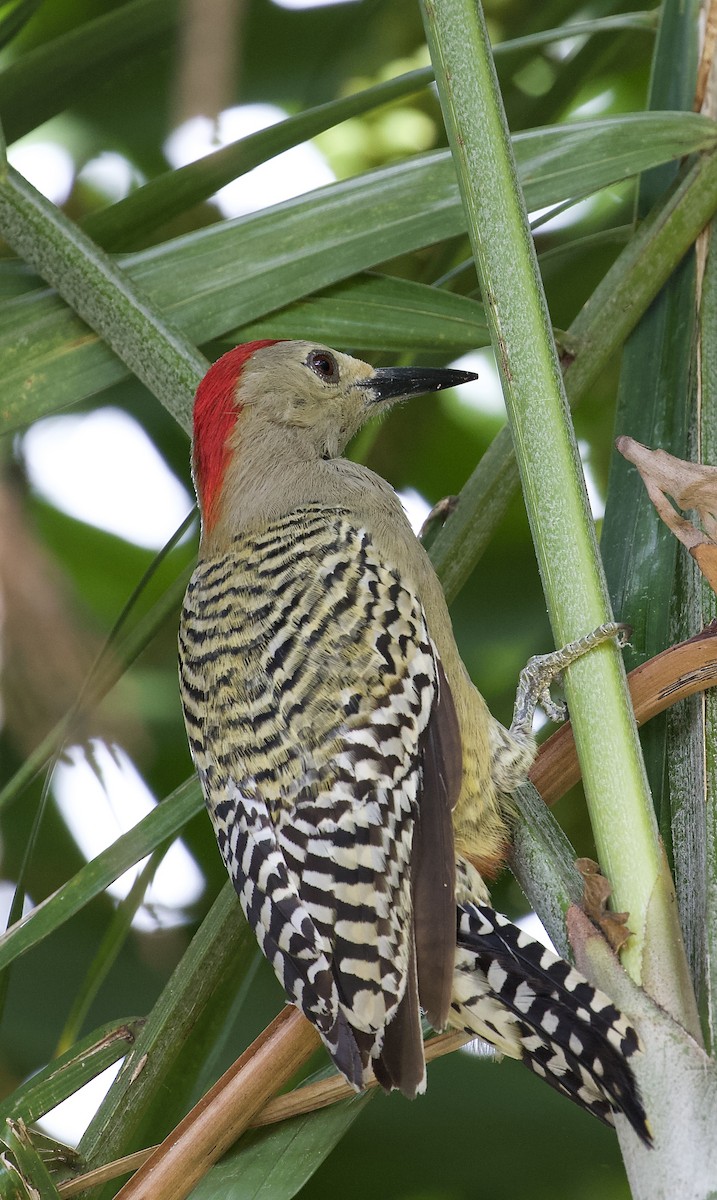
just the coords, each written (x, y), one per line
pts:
(283, 925)
(434, 863)
(329, 714)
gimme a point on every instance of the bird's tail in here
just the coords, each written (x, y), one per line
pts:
(534, 1006)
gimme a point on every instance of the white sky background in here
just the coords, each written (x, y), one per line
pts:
(103, 469)
(103, 800)
(289, 174)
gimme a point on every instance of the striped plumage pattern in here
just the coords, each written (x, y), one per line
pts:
(532, 1005)
(323, 810)
(358, 785)
(314, 802)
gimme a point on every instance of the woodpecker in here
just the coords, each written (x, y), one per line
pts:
(357, 783)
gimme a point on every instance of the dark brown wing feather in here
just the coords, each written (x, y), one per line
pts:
(434, 862)
(401, 1063)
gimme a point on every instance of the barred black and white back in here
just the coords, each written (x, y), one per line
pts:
(309, 681)
(328, 747)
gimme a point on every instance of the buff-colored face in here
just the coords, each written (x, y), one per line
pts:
(303, 386)
(316, 397)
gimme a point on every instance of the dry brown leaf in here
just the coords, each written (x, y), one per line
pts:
(691, 486)
(705, 556)
(437, 517)
(596, 893)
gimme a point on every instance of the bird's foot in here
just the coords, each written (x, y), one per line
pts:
(541, 671)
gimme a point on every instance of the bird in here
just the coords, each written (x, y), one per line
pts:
(358, 785)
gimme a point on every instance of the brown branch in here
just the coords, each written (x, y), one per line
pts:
(222, 1115)
(678, 672)
(328, 1091)
(301, 1101)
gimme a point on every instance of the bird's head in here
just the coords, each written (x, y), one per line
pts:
(306, 399)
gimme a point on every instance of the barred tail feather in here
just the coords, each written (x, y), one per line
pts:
(534, 1006)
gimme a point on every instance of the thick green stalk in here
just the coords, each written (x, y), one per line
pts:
(101, 293)
(546, 451)
(654, 251)
(543, 862)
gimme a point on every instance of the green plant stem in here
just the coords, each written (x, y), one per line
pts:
(597, 334)
(102, 294)
(33, 1177)
(162, 823)
(113, 940)
(650, 257)
(708, 434)
(133, 219)
(546, 451)
(65, 1075)
(543, 862)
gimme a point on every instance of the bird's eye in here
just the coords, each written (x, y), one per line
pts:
(324, 365)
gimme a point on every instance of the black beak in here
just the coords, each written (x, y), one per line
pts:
(394, 383)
